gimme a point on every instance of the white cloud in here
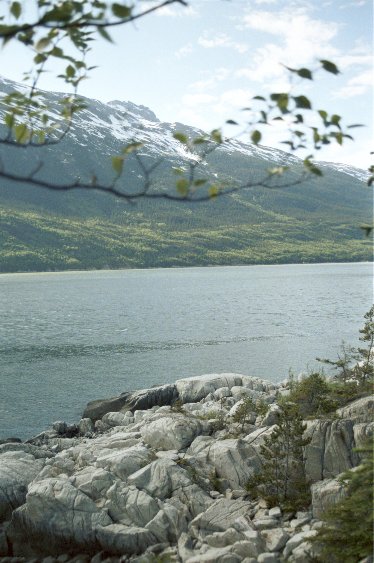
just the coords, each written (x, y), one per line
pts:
(210, 82)
(184, 51)
(213, 40)
(174, 12)
(300, 39)
(192, 100)
(360, 84)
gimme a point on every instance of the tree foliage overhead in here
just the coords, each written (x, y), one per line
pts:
(64, 31)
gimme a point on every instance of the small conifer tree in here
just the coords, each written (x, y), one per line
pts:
(347, 533)
(282, 480)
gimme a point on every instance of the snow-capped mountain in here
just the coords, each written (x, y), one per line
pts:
(316, 220)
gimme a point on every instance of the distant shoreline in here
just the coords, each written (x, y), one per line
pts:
(183, 267)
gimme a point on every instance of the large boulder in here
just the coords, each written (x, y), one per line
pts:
(124, 462)
(220, 516)
(361, 410)
(143, 399)
(331, 450)
(56, 516)
(129, 506)
(171, 432)
(234, 460)
(117, 539)
(17, 470)
(193, 389)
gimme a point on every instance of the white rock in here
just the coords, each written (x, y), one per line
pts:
(86, 426)
(296, 540)
(56, 510)
(275, 539)
(361, 410)
(169, 523)
(275, 512)
(220, 516)
(193, 389)
(124, 462)
(129, 506)
(116, 419)
(17, 470)
(325, 494)
(171, 432)
(233, 460)
(221, 393)
(117, 539)
(268, 558)
(93, 482)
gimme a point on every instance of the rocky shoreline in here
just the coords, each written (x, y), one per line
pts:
(160, 475)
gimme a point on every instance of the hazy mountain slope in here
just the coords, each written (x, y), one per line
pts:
(40, 229)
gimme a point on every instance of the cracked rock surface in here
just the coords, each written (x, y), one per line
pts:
(141, 478)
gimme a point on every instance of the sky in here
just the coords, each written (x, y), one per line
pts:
(202, 64)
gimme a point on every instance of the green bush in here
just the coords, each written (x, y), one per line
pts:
(313, 396)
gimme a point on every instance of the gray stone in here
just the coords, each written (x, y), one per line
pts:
(361, 410)
(265, 523)
(117, 539)
(325, 494)
(124, 462)
(113, 419)
(129, 506)
(275, 539)
(330, 451)
(219, 516)
(268, 558)
(272, 416)
(171, 432)
(296, 540)
(55, 509)
(86, 426)
(93, 482)
(17, 470)
(275, 512)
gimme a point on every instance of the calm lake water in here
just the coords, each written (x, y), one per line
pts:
(68, 338)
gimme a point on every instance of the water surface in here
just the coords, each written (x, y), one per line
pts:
(67, 338)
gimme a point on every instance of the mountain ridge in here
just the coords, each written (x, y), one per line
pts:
(42, 230)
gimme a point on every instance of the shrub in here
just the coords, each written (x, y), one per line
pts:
(282, 480)
(313, 396)
(347, 533)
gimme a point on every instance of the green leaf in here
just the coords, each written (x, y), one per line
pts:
(9, 120)
(131, 147)
(121, 11)
(231, 122)
(217, 136)
(258, 98)
(16, 9)
(213, 191)
(281, 100)
(21, 133)
(355, 125)
(104, 34)
(302, 102)
(42, 44)
(181, 138)
(256, 136)
(199, 141)
(182, 186)
(304, 73)
(200, 182)
(117, 164)
(329, 66)
(70, 71)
